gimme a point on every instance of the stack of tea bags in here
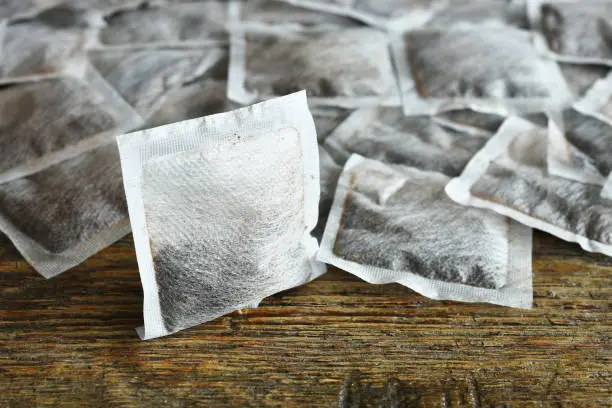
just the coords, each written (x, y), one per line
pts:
(415, 142)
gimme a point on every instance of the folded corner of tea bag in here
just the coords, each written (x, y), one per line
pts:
(247, 183)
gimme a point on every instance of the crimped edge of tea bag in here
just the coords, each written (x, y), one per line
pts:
(127, 119)
(517, 291)
(237, 92)
(414, 104)
(50, 264)
(138, 148)
(534, 16)
(459, 188)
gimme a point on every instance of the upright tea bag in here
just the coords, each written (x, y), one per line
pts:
(509, 176)
(144, 77)
(497, 12)
(222, 209)
(494, 69)
(385, 134)
(179, 24)
(47, 121)
(62, 215)
(349, 68)
(575, 31)
(580, 146)
(391, 224)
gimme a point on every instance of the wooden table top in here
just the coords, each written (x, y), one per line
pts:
(70, 341)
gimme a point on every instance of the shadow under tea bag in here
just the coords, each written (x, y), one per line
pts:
(509, 176)
(385, 134)
(485, 68)
(222, 209)
(575, 31)
(144, 77)
(59, 217)
(47, 121)
(348, 68)
(395, 224)
(181, 24)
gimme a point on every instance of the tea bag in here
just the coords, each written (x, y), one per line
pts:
(581, 77)
(575, 31)
(580, 146)
(33, 50)
(391, 224)
(509, 176)
(385, 134)
(51, 120)
(494, 69)
(347, 68)
(144, 77)
(62, 215)
(278, 12)
(494, 12)
(327, 119)
(177, 24)
(201, 98)
(222, 209)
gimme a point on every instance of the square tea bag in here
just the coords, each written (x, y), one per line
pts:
(488, 68)
(222, 209)
(47, 121)
(349, 68)
(395, 224)
(510, 176)
(62, 215)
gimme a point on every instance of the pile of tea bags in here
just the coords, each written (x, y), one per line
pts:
(247, 144)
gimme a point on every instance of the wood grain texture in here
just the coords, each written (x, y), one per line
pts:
(338, 341)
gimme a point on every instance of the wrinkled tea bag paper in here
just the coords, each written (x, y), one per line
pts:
(33, 50)
(424, 142)
(145, 77)
(580, 138)
(391, 224)
(495, 12)
(278, 12)
(348, 68)
(509, 176)
(383, 14)
(59, 217)
(222, 209)
(574, 31)
(495, 69)
(182, 24)
(51, 120)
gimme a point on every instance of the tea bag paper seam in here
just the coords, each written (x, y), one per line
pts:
(458, 189)
(515, 293)
(138, 148)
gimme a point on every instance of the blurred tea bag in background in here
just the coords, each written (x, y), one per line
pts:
(349, 68)
(510, 176)
(495, 69)
(385, 134)
(144, 77)
(329, 173)
(47, 121)
(495, 12)
(575, 31)
(18, 9)
(222, 209)
(179, 24)
(62, 215)
(391, 224)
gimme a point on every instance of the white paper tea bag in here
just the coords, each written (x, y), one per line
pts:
(183, 24)
(62, 215)
(580, 138)
(490, 12)
(509, 176)
(486, 68)
(385, 134)
(391, 224)
(349, 68)
(45, 122)
(222, 209)
(575, 31)
(145, 77)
